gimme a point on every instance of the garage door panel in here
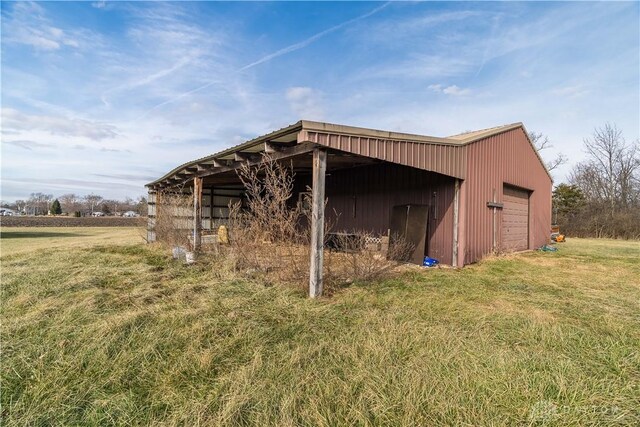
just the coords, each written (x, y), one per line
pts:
(515, 219)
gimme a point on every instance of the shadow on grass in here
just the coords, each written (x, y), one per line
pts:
(35, 234)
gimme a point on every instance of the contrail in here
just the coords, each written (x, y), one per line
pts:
(311, 39)
(283, 51)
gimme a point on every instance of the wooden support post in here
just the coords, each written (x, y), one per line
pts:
(197, 214)
(152, 213)
(317, 222)
(456, 207)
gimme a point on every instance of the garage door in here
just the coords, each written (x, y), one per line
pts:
(515, 219)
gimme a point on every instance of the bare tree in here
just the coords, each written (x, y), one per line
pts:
(70, 203)
(39, 202)
(92, 200)
(610, 174)
(20, 205)
(541, 142)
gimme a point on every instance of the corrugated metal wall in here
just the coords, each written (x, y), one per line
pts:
(441, 158)
(506, 158)
(363, 198)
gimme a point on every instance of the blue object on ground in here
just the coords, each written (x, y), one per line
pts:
(430, 262)
(547, 248)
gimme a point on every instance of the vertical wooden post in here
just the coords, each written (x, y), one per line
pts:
(197, 214)
(317, 222)
(456, 207)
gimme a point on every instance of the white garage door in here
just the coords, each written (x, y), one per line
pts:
(515, 219)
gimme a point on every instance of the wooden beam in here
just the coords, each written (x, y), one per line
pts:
(270, 147)
(220, 163)
(197, 213)
(240, 156)
(286, 153)
(204, 167)
(317, 222)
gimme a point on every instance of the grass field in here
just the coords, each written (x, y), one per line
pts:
(115, 333)
(29, 239)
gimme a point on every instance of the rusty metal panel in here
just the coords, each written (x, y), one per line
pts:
(506, 158)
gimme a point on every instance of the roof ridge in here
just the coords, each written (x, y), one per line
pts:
(483, 130)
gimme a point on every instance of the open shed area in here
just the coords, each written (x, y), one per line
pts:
(456, 198)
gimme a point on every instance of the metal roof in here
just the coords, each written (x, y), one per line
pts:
(397, 147)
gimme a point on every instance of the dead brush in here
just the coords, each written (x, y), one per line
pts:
(265, 234)
(270, 235)
(174, 217)
(360, 258)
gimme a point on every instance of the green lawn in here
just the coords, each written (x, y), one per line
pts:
(121, 335)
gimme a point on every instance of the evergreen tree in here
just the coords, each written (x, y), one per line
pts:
(56, 209)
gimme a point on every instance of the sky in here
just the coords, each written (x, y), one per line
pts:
(103, 97)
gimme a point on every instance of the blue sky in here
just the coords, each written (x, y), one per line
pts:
(105, 96)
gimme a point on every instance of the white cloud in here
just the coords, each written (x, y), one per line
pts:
(573, 91)
(456, 91)
(15, 120)
(449, 90)
(27, 25)
(305, 102)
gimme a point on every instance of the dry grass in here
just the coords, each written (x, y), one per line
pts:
(121, 335)
(28, 239)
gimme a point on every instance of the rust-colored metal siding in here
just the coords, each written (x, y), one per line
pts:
(446, 159)
(364, 196)
(507, 158)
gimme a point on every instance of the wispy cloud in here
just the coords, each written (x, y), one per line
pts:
(200, 67)
(126, 176)
(291, 48)
(449, 90)
(27, 24)
(306, 42)
(27, 144)
(57, 125)
(305, 102)
(572, 91)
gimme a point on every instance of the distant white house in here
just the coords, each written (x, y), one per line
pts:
(130, 214)
(98, 213)
(7, 212)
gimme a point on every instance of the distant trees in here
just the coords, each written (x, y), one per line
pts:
(567, 202)
(71, 203)
(603, 195)
(609, 176)
(92, 200)
(38, 203)
(20, 205)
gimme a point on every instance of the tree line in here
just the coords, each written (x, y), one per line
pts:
(602, 195)
(76, 205)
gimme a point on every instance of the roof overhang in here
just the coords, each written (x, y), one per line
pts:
(442, 155)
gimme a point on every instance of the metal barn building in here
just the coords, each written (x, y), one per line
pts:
(474, 193)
